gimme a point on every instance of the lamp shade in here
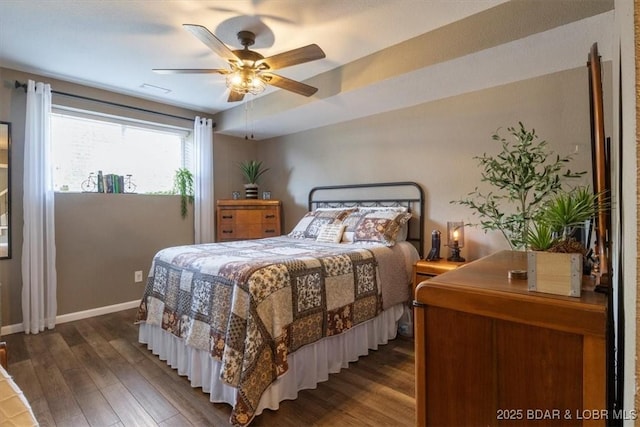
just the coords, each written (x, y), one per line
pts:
(455, 234)
(245, 80)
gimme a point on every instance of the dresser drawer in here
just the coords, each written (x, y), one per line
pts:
(226, 232)
(270, 216)
(254, 231)
(226, 216)
(270, 230)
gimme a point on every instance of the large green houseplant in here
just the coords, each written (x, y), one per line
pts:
(522, 176)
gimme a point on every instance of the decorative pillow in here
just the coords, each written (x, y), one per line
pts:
(353, 219)
(309, 226)
(375, 227)
(351, 222)
(330, 233)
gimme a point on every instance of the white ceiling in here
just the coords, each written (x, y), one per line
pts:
(114, 44)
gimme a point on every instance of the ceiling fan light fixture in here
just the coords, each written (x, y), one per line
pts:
(245, 80)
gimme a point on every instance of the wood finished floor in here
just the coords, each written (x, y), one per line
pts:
(93, 372)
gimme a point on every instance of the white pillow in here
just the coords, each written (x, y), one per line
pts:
(330, 233)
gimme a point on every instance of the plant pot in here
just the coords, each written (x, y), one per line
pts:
(251, 191)
(555, 273)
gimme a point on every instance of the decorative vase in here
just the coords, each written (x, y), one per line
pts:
(555, 273)
(251, 191)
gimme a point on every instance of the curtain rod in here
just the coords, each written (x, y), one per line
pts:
(115, 104)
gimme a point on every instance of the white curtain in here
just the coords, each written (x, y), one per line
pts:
(203, 180)
(39, 304)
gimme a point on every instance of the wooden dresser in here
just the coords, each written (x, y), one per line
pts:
(247, 219)
(491, 353)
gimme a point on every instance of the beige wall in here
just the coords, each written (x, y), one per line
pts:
(434, 144)
(228, 152)
(101, 239)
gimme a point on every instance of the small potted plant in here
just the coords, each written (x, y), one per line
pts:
(252, 171)
(556, 257)
(183, 185)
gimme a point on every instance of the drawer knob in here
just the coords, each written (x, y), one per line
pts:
(270, 230)
(270, 216)
(227, 231)
(227, 216)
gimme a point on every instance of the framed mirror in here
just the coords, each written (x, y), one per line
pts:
(5, 193)
(600, 152)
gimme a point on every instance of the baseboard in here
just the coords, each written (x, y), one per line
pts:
(70, 317)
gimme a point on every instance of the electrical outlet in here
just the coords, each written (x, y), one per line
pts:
(137, 276)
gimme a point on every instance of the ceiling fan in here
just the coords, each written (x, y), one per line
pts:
(249, 71)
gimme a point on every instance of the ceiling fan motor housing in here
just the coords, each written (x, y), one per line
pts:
(248, 57)
(247, 38)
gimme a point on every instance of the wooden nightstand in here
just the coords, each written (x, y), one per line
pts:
(424, 270)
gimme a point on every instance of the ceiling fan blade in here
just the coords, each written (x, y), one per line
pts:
(212, 42)
(235, 96)
(293, 57)
(190, 71)
(288, 84)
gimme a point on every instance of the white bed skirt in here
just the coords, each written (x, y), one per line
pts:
(308, 366)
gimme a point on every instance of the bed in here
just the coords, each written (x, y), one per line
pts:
(253, 322)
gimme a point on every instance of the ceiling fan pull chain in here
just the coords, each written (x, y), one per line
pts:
(253, 124)
(246, 119)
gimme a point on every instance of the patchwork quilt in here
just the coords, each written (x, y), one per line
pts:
(251, 303)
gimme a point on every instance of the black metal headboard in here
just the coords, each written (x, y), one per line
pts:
(406, 194)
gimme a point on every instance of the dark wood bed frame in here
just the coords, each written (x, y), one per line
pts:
(384, 194)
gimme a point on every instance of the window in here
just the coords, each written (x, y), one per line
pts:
(83, 145)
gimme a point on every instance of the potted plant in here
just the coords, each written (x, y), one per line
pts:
(183, 185)
(523, 175)
(556, 258)
(252, 171)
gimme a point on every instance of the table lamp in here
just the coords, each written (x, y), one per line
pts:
(455, 240)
